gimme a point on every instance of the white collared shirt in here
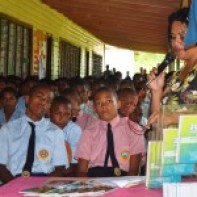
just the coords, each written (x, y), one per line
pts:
(72, 134)
(49, 146)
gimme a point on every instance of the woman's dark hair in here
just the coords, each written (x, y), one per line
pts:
(181, 15)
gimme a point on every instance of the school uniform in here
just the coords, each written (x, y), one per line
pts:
(21, 105)
(16, 114)
(49, 146)
(72, 133)
(88, 109)
(93, 143)
(84, 119)
(146, 108)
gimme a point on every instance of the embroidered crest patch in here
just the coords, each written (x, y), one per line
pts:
(43, 154)
(125, 155)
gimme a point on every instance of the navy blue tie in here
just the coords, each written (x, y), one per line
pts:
(110, 148)
(30, 153)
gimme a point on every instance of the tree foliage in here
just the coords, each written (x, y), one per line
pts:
(147, 60)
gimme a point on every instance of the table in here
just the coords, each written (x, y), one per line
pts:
(13, 187)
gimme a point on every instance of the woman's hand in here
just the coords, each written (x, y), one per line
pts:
(156, 118)
(156, 82)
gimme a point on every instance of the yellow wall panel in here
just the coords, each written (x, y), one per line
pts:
(42, 17)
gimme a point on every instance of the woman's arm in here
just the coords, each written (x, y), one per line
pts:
(156, 86)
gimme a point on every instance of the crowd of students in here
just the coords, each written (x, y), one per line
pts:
(70, 119)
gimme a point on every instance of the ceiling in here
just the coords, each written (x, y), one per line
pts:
(132, 24)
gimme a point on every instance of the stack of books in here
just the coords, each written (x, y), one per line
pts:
(174, 156)
(179, 189)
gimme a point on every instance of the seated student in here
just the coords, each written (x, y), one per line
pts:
(26, 86)
(53, 86)
(32, 145)
(136, 115)
(108, 147)
(84, 92)
(2, 83)
(144, 100)
(9, 100)
(2, 86)
(77, 115)
(74, 99)
(83, 120)
(62, 84)
(131, 109)
(96, 84)
(60, 115)
(126, 84)
(128, 99)
(113, 82)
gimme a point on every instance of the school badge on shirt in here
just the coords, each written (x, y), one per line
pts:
(125, 155)
(117, 171)
(43, 154)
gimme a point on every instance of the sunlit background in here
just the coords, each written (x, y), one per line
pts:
(127, 60)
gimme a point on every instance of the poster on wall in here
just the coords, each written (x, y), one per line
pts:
(39, 53)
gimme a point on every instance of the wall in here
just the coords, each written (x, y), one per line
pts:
(42, 17)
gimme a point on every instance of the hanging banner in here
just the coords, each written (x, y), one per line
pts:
(39, 53)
